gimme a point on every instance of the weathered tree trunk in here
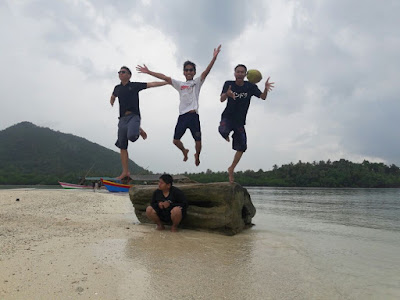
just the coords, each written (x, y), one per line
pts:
(221, 206)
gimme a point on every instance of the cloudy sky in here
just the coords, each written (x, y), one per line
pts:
(335, 64)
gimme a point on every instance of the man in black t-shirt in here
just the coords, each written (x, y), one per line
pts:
(168, 204)
(129, 113)
(233, 118)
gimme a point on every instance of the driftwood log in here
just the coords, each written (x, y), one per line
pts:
(221, 207)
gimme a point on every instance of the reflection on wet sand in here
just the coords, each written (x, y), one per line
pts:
(200, 265)
(193, 264)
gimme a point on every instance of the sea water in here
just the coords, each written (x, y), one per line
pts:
(351, 235)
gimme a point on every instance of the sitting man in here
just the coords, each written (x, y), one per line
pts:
(168, 204)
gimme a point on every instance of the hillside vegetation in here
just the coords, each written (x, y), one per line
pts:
(342, 173)
(30, 154)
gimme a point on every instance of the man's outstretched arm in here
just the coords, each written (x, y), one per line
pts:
(210, 65)
(144, 69)
(156, 84)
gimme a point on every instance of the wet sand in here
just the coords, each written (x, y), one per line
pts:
(69, 244)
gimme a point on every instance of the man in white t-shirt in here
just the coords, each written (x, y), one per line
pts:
(189, 102)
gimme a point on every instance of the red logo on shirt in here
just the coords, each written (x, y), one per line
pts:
(184, 87)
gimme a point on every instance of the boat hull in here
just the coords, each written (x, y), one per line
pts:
(116, 187)
(67, 185)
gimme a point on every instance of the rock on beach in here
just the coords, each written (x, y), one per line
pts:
(220, 207)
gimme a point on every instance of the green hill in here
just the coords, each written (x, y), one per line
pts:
(36, 155)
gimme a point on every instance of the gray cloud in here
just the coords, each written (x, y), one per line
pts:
(335, 63)
(350, 54)
(373, 129)
(199, 26)
(196, 28)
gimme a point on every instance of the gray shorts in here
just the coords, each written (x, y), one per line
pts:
(128, 129)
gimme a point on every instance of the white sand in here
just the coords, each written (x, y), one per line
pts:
(68, 244)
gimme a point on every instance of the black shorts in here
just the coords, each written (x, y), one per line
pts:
(239, 137)
(189, 120)
(165, 214)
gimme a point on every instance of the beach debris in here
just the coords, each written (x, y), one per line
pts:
(17, 199)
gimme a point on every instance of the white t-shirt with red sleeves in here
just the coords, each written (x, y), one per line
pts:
(189, 92)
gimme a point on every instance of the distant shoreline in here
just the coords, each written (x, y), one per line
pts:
(58, 187)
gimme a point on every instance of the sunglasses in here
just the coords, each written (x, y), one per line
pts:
(188, 70)
(122, 72)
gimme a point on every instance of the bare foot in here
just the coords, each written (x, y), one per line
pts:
(143, 133)
(197, 159)
(160, 227)
(123, 175)
(185, 154)
(174, 229)
(230, 173)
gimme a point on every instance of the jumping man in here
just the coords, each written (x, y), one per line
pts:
(189, 102)
(129, 113)
(233, 118)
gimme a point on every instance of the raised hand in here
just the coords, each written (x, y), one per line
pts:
(230, 94)
(143, 69)
(269, 85)
(216, 51)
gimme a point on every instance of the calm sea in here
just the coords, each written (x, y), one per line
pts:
(352, 235)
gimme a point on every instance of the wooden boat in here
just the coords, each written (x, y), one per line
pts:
(112, 186)
(67, 185)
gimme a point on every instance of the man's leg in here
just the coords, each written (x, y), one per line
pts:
(197, 154)
(180, 146)
(152, 215)
(125, 164)
(142, 133)
(239, 144)
(176, 217)
(224, 129)
(194, 126)
(231, 169)
(134, 130)
(180, 129)
(122, 144)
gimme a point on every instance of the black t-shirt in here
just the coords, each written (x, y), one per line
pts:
(176, 197)
(236, 110)
(128, 97)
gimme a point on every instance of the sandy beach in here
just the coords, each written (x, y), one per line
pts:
(69, 244)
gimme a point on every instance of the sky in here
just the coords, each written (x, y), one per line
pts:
(335, 64)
